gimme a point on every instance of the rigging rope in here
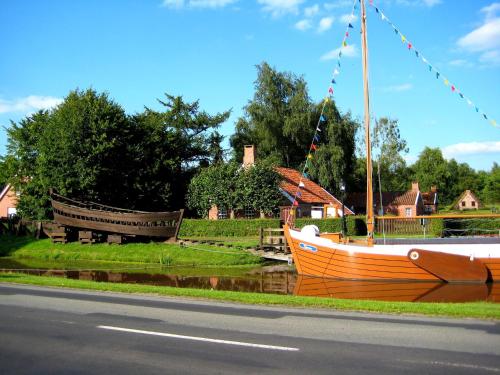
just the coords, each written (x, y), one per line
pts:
(322, 118)
(431, 67)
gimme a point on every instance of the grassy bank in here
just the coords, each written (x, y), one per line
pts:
(482, 310)
(154, 252)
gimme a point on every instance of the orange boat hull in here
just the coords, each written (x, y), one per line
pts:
(333, 262)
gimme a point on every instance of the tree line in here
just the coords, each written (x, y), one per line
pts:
(88, 148)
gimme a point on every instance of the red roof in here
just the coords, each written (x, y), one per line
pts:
(311, 193)
(407, 199)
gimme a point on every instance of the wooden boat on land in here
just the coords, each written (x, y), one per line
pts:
(332, 255)
(98, 217)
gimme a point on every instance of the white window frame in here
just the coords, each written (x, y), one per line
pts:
(408, 212)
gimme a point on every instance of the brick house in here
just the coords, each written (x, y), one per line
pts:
(314, 202)
(467, 201)
(8, 201)
(410, 203)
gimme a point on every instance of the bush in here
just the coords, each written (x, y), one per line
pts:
(225, 228)
(356, 226)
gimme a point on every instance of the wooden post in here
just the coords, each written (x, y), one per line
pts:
(261, 238)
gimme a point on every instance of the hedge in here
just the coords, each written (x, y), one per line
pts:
(250, 227)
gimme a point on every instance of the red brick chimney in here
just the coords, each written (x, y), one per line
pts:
(434, 188)
(248, 156)
(414, 186)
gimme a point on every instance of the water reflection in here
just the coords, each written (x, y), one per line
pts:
(282, 280)
(396, 291)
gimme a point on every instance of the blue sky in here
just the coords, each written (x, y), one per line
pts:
(208, 49)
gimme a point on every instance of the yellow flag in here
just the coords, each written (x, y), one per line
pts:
(446, 82)
(493, 122)
(309, 156)
(403, 38)
(344, 44)
(327, 99)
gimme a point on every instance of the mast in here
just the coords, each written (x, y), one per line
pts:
(369, 190)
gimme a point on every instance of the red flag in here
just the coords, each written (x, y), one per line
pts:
(330, 90)
(313, 147)
(295, 203)
(409, 46)
(452, 88)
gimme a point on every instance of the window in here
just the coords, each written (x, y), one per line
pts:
(408, 212)
(317, 212)
(249, 213)
(222, 214)
(463, 203)
(473, 203)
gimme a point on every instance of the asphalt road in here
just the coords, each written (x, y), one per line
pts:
(55, 331)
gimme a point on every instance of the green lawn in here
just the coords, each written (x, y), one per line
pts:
(153, 252)
(481, 310)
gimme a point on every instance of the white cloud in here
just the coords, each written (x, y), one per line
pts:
(471, 148)
(491, 10)
(485, 39)
(348, 18)
(325, 24)
(490, 57)
(431, 3)
(349, 51)
(311, 11)
(29, 104)
(338, 4)
(458, 62)
(398, 88)
(178, 4)
(280, 7)
(303, 25)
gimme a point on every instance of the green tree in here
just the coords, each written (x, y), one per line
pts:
(432, 169)
(169, 148)
(388, 149)
(229, 186)
(277, 119)
(75, 149)
(259, 188)
(334, 159)
(491, 191)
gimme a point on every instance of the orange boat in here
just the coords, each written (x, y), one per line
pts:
(332, 255)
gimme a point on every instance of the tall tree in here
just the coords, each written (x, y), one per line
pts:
(334, 160)
(277, 119)
(388, 148)
(171, 145)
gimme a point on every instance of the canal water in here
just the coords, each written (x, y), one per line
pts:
(274, 279)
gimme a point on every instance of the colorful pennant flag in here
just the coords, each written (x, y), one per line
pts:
(430, 67)
(301, 184)
(309, 156)
(322, 118)
(295, 203)
(313, 147)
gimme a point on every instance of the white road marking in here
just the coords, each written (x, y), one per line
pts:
(205, 339)
(454, 364)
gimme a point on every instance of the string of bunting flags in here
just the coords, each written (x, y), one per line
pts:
(432, 69)
(322, 118)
